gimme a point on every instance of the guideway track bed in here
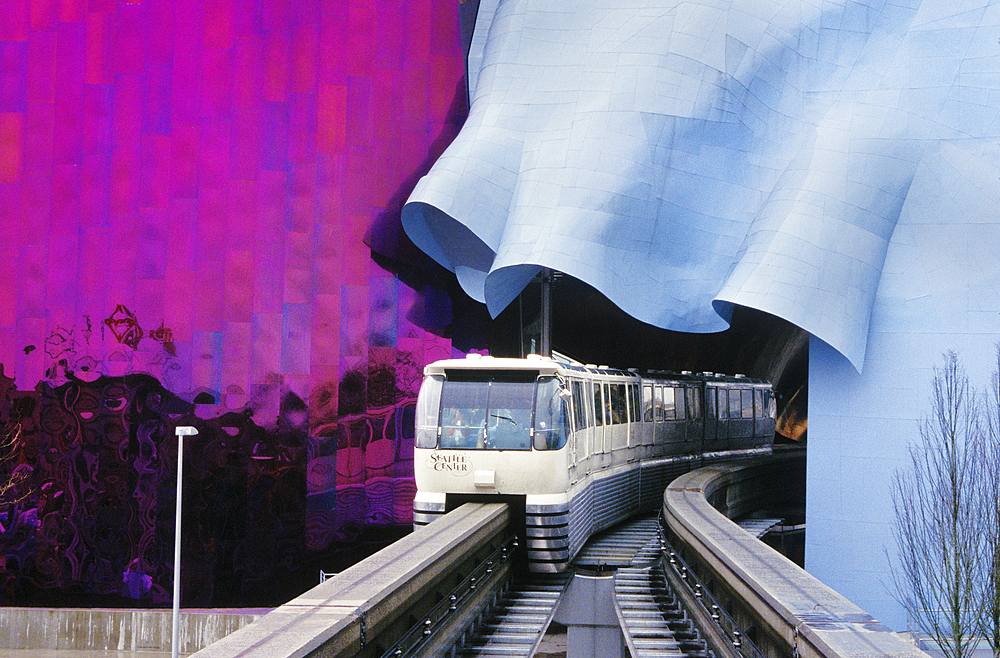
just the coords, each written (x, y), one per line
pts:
(773, 600)
(516, 623)
(654, 621)
(452, 588)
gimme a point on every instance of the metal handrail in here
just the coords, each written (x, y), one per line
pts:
(413, 641)
(736, 635)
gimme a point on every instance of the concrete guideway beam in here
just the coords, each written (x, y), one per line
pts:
(343, 615)
(795, 614)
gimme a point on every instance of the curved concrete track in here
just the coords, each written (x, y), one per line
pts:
(782, 608)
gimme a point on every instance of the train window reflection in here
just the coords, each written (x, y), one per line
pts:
(747, 396)
(617, 405)
(647, 403)
(491, 414)
(668, 403)
(598, 405)
(428, 406)
(735, 404)
(550, 415)
(679, 408)
(579, 407)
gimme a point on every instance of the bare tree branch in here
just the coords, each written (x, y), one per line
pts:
(939, 517)
(991, 502)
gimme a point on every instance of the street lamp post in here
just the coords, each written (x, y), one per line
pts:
(181, 431)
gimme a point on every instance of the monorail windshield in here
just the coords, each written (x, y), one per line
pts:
(503, 411)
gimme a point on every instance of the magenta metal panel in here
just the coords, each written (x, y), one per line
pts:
(186, 187)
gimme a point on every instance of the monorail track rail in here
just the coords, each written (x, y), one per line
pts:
(451, 589)
(515, 624)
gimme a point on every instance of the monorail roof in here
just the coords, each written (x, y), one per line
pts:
(541, 363)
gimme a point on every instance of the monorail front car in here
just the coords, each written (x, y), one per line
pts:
(577, 448)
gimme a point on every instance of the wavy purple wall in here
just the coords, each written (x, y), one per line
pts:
(190, 192)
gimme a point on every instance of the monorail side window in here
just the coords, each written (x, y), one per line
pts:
(747, 395)
(668, 402)
(681, 413)
(428, 408)
(694, 408)
(723, 404)
(550, 415)
(598, 404)
(635, 403)
(647, 403)
(579, 407)
(619, 412)
(735, 404)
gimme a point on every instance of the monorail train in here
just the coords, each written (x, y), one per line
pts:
(573, 448)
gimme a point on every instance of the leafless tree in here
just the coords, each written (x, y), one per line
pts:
(991, 510)
(939, 521)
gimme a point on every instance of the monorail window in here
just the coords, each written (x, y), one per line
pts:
(668, 402)
(428, 407)
(723, 404)
(710, 409)
(490, 414)
(647, 403)
(694, 409)
(635, 403)
(579, 406)
(747, 396)
(550, 415)
(735, 404)
(619, 412)
(679, 409)
(598, 404)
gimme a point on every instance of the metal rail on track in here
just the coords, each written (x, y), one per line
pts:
(515, 623)
(770, 598)
(452, 589)
(653, 618)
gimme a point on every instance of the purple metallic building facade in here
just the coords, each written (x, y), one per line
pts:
(190, 192)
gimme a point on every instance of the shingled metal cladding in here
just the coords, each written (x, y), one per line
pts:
(685, 157)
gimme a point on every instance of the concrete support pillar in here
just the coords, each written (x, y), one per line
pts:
(587, 610)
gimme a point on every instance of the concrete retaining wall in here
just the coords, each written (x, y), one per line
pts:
(116, 630)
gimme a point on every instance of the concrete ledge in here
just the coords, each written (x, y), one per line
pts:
(116, 630)
(332, 618)
(800, 614)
